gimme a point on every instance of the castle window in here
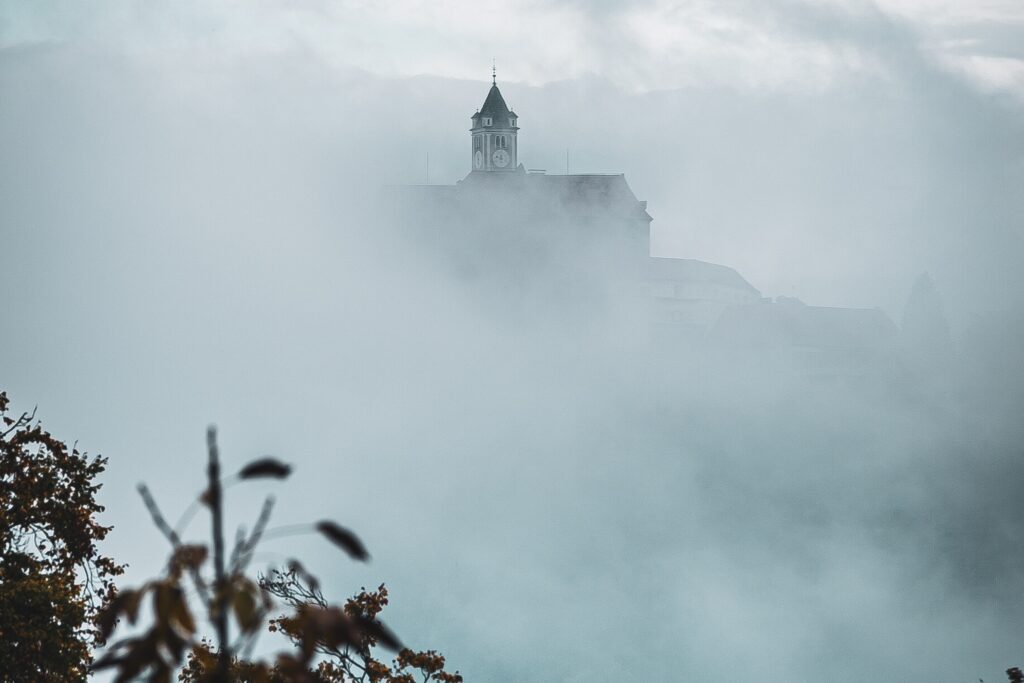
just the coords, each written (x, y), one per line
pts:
(487, 120)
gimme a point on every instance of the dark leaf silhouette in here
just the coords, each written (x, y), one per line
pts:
(345, 539)
(375, 630)
(265, 467)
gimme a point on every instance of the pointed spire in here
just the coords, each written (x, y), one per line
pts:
(494, 106)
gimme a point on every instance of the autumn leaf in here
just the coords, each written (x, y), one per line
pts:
(377, 631)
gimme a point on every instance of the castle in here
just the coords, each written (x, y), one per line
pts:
(587, 232)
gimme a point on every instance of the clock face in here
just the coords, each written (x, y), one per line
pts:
(500, 158)
(478, 159)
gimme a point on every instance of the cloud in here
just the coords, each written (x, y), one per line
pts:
(653, 44)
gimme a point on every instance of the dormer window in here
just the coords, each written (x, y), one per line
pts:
(487, 120)
(512, 122)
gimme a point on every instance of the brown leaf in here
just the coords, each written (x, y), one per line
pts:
(376, 630)
(131, 605)
(181, 613)
(246, 612)
(106, 619)
(189, 556)
(345, 539)
(265, 467)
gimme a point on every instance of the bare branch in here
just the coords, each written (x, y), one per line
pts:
(220, 615)
(173, 537)
(247, 549)
(158, 518)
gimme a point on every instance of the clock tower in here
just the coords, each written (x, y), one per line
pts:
(494, 134)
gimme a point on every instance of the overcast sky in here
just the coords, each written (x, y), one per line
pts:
(184, 239)
(639, 45)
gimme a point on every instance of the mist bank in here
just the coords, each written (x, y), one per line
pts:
(194, 242)
(840, 195)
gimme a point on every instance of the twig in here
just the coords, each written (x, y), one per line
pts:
(220, 613)
(158, 517)
(173, 537)
(245, 556)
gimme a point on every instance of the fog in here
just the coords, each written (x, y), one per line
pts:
(194, 236)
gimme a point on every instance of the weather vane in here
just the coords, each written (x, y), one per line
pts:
(494, 72)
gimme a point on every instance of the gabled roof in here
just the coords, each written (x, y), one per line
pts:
(691, 270)
(495, 108)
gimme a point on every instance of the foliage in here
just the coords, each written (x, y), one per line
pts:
(351, 663)
(53, 578)
(347, 663)
(330, 644)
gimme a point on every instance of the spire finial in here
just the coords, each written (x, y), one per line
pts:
(494, 72)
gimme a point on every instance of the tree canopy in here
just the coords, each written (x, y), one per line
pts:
(53, 579)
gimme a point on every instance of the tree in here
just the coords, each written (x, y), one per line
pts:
(329, 644)
(53, 579)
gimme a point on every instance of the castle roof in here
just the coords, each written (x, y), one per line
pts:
(691, 270)
(595, 194)
(597, 190)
